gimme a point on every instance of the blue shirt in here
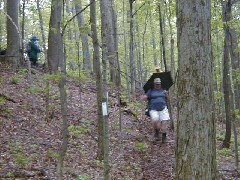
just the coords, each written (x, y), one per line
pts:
(157, 99)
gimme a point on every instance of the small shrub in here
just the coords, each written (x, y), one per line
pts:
(140, 146)
(52, 154)
(77, 130)
(15, 79)
(21, 158)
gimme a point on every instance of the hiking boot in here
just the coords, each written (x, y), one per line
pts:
(164, 137)
(156, 135)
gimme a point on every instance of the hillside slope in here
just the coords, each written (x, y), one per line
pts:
(29, 142)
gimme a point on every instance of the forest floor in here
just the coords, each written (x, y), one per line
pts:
(30, 142)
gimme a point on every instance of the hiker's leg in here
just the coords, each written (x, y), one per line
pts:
(34, 62)
(31, 61)
(164, 126)
(156, 123)
(165, 120)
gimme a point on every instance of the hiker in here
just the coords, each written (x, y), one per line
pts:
(32, 50)
(158, 110)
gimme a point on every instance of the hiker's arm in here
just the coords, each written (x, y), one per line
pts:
(143, 97)
(167, 96)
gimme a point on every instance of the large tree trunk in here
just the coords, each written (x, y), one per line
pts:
(56, 58)
(55, 45)
(13, 34)
(196, 146)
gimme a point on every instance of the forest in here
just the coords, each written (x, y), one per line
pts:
(73, 78)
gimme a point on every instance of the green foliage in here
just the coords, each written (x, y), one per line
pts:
(83, 177)
(84, 29)
(15, 79)
(53, 154)
(20, 157)
(35, 89)
(51, 77)
(140, 146)
(75, 74)
(135, 106)
(10, 174)
(236, 74)
(218, 95)
(237, 113)
(135, 166)
(226, 152)
(2, 100)
(77, 131)
(220, 136)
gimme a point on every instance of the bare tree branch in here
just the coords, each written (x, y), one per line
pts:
(68, 21)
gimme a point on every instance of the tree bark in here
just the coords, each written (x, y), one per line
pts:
(156, 63)
(161, 23)
(196, 133)
(87, 64)
(42, 32)
(98, 76)
(55, 45)
(226, 11)
(131, 53)
(13, 34)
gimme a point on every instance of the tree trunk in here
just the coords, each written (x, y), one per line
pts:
(196, 133)
(56, 58)
(87, 65)
(156, 62)
(22, 32)
(140, 56)
(47, 95)
(13, 34)
(98, 76)
(226, 11)
(126, 53)
(55, 49)
(42, 32)
(161, 23)
(108, 54)
(173, 69)
(131, 53)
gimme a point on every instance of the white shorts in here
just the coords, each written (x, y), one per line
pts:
(159, 115)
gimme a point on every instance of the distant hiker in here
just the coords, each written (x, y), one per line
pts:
(158, 110)
(33, 49)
